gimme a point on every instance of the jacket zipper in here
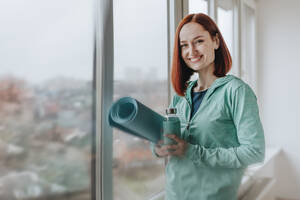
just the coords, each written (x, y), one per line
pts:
(188, 125)
(189, 120)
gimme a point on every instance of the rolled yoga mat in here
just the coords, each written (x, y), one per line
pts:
(133, 117)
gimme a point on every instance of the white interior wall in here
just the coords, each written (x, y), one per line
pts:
(279, 87)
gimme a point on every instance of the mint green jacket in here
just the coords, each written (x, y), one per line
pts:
(225, 136)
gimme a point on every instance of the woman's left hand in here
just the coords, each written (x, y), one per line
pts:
(179, 148)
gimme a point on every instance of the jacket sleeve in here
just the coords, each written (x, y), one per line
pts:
(251, 149)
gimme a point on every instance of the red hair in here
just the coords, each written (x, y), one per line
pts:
(181, 73)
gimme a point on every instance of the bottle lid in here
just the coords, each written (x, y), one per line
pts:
(171, 111)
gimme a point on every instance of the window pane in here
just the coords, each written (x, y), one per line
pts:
(225, 24)
(225, 21)
(140, 71)
(46, 59)
(198, 6)
(248, 59)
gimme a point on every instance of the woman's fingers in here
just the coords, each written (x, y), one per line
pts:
(178, 151)
(174, 137)
(179, 148)
(163, 150)
(173, 149)
(167, 148)
(159, 143)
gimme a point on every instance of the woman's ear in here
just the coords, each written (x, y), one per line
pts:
(216, 41)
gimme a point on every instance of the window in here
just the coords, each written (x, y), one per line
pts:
(225, 21)
(140, 71)
(47, 95)
(46, 99)
(198, 6)
(248, 67)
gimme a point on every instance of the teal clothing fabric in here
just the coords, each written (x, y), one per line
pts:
(225, 136)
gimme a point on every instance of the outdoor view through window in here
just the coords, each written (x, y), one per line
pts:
(46, 63)
(140, 71)
(46, 106)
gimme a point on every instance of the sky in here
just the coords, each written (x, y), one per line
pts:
(43, 39)
(140, 43)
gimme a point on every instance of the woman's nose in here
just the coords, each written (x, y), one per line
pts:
(192, 50)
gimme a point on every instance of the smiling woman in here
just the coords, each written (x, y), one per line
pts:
(221, 132)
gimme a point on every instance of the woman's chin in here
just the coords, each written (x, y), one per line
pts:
(197, 68)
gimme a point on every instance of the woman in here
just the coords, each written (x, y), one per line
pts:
(221, 132)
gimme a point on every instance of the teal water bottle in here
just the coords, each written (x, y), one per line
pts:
(171, 125)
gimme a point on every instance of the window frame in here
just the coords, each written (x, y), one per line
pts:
(103, 89)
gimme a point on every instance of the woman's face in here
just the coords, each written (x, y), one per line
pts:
(197, 46)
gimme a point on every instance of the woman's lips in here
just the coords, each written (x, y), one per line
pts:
(196, 59)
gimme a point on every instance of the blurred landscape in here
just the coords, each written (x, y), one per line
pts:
(46, 138)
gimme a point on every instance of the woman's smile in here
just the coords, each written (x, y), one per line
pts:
(195, 59)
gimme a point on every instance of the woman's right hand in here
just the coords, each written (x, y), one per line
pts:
(163, 150)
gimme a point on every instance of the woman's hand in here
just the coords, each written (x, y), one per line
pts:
(161, 149)
(173, 149)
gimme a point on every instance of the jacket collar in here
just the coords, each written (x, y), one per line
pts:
(217, 83)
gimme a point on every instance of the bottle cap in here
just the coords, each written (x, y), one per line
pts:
(171, 111)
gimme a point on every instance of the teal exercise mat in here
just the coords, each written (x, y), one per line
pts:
(133, 117)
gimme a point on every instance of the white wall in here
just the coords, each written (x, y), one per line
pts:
(279, 87)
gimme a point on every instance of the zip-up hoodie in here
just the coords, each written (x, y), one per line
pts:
(224, 136)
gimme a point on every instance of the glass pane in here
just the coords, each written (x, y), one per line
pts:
(198, 6)
(140, 71)
(46, 59)
(248, 66)
(225, 21)
(225, 24)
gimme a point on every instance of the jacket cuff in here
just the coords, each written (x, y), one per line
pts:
(191, 154)
(189, 151)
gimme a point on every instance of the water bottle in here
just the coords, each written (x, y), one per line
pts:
(171, 125)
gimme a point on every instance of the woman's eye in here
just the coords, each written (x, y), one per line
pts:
(183, 45)
(200, 41)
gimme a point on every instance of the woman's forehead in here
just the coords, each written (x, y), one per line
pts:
(191, 30)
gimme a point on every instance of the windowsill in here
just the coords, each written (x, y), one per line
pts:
(255, 180)
(271, 153)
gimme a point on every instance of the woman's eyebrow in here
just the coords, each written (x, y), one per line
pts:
(199, 36)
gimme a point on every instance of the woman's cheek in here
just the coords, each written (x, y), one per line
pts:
(210, 54)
